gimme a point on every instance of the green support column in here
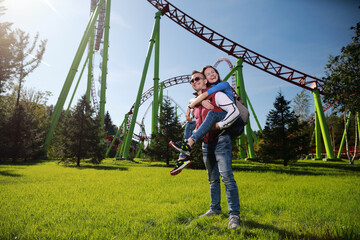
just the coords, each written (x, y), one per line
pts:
(323, 125)
(242, 94)
(241, 140)
(76, 86)
(161, 96)
(344, 136)
(116, 135)
(318, 142)
(70, 77)
(155, 107)
(141, 87)
(90, 66)
(254, 114)
(104, 63)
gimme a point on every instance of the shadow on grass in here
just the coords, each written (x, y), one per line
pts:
(285, 234)
(301, 168)
(98, 167)
(21, 162)
(9, 173)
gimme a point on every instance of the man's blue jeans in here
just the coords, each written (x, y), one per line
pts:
(217, 158)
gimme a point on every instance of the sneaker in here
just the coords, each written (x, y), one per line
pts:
(181, 146)
(210, 213)
(234, 222)
(180, 164)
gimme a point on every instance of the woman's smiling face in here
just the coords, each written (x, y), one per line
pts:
(211, 75)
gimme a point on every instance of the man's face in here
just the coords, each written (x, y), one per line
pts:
(198, 82)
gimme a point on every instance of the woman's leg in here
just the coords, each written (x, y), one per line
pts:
(211, 118)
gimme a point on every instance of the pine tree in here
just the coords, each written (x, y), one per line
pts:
(170, 129)
(82, 135)
(284, 138)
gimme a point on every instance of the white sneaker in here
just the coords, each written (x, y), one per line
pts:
(234, 222)
(210, 213)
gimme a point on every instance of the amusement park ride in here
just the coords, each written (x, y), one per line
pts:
(97, 31)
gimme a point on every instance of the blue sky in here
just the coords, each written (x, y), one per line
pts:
(300, 34)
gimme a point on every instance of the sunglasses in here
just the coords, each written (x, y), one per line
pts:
(195, 80)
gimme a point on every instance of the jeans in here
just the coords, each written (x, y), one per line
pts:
(213, 117)
(217, 159)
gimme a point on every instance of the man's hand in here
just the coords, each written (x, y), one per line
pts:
(206, 104)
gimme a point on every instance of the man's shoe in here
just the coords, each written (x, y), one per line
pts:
(210, 213)
(180, 164)
(234, 222)
(181, 146)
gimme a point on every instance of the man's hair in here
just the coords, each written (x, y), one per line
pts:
(196, 71)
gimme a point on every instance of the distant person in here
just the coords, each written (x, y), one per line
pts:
(219, 120)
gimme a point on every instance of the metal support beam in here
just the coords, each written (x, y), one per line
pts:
(141, 86)
(323, 125)
(344, 136)
(318, 142)
(70, 77)
(155, 107)
(241, 92)
(104, 63)
(115, 137)
(76, 86)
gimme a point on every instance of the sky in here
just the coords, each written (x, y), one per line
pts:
(300, 34)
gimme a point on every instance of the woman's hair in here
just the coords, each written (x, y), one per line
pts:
(209, 66)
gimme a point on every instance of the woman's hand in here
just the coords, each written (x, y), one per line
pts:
(206, 104)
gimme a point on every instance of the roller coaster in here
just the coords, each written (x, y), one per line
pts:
(97, 31)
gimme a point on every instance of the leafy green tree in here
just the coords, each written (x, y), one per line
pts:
(342, 86)
(301, 106)
(284, 138)
(169, 129)
(82, 134)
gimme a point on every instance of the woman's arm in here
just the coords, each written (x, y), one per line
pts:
(225, 103)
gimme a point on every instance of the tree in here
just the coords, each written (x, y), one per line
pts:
(25, 59)
(6, 55)
(284, 138)
(109, 126)
(170, 129)
(302, 102)
(342, 86)
(82, 134)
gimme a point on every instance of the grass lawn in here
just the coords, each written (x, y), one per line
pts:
(136, 200)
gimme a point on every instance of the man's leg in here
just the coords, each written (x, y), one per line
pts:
(224, 158)
(213, 177)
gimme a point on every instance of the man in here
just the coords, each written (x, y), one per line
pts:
(217, 153)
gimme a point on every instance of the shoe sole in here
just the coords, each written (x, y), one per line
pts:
(187, 153)
(177, 171)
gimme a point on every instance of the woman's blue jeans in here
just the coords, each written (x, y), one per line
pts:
(213, 117)
(217, 158)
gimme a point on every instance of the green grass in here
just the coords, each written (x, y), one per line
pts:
(133, 200)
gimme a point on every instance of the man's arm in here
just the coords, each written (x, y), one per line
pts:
(225, 103)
